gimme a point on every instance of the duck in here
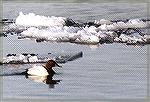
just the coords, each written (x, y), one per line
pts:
(42, 70)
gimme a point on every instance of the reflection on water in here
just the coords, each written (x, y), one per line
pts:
(44, 79)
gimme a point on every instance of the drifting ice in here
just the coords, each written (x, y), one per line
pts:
(61, 29)
(36, 20)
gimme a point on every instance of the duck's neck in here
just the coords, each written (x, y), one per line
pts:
(50, 71)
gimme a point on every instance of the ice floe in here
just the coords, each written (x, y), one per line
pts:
(36, 20)
(26, 58)
(61, 29)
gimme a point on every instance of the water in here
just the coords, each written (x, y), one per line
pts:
(108, 71)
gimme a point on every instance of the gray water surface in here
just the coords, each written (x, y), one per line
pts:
(108, 71)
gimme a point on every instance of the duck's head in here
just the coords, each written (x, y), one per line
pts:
(50, 64)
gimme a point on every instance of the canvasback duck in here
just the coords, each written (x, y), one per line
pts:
(42, 70)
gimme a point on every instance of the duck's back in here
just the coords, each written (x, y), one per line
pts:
(37, 70)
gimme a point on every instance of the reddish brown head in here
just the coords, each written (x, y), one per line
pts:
(51, 63)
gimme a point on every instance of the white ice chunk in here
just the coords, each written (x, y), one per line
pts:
(136, 23)
(36, 20)
(102, 21)
(33, 59)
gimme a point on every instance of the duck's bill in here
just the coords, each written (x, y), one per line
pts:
(58, 65)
